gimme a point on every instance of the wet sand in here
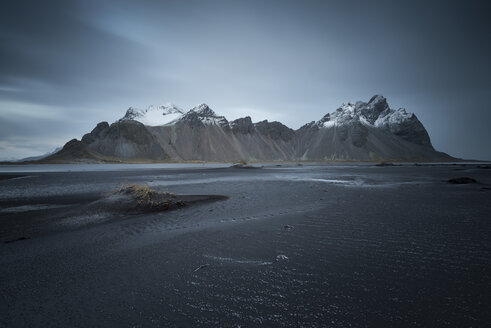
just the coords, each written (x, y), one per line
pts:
(316, 246)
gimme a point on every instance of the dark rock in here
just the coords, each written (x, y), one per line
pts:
(308, 127)
(385, 164)
(376, 105)
(242, 125)
(275, 130)
(462, 180)
(98, 132)
(244, 166)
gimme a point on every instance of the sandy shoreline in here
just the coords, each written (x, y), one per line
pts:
(289, 246)
(29, 218)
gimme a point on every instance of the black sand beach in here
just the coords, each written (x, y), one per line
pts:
(354, 245)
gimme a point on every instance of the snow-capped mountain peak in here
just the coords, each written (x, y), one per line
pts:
(376, 113)
(205, 115)
(154, 116)
(203, 110)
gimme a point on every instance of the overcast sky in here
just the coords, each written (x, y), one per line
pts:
(67, 65)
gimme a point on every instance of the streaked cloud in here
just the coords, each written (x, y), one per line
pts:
(75, 63)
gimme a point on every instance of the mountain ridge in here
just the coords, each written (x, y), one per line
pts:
(361, 131)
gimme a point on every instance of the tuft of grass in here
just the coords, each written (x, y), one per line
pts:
(140, 191)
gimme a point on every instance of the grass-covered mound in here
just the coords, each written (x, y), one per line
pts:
(144, 198)
(136, 198)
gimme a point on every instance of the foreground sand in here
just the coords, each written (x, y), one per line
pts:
(331, 245)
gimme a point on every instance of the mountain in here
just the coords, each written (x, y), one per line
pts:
(367, 131)
(361, 131)
(124, 139)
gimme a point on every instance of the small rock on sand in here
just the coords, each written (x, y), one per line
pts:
(281, 257)
(462, 180)
(245, 166)
(385, 164)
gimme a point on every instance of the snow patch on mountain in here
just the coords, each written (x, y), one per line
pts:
(206, 115)
(154, 116)
(343, 115)
(393, 117)
(374, 113)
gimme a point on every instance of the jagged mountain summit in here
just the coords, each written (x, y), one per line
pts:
(361, 131)
(377, 113)
(204, 114)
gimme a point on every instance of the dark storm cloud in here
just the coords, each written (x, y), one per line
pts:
(53, 47)
(65, 65)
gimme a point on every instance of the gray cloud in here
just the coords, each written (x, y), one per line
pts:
(67, 64)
